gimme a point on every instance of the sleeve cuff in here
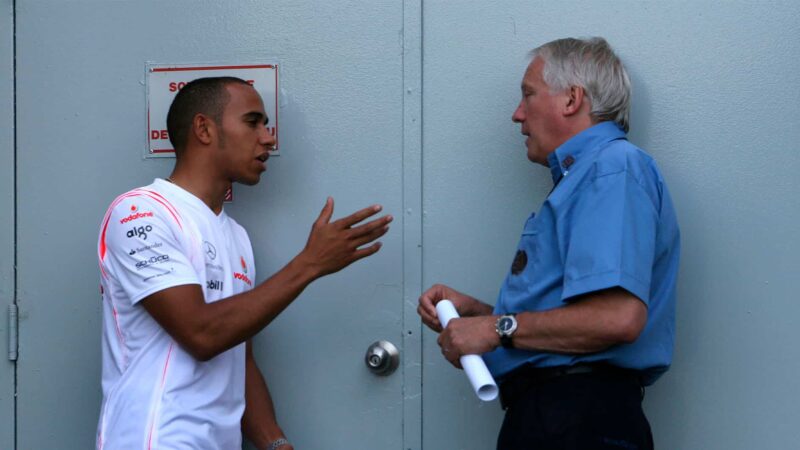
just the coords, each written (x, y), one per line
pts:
(160, 287)
(606, 280)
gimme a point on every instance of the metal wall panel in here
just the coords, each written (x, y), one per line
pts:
(7, 282)
(715, 102)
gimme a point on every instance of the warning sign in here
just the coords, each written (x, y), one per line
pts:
(164, 82)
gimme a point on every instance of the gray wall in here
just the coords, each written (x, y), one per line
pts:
(7, 285)
(716, 103)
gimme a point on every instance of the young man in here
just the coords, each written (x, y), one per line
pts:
(177, 276)
(586, 315)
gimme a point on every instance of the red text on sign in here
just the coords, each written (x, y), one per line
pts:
(176, 86)
(160, 134)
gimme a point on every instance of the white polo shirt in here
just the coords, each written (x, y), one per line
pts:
(155, 394)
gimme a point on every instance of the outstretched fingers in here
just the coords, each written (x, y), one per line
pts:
(366, 251)
(376, 230)
(358, 216)
(370, 227)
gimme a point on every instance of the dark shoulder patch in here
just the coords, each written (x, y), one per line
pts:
(520, 261)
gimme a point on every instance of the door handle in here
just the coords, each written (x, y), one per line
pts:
(382, 358)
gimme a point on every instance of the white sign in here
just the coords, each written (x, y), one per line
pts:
(164, 82)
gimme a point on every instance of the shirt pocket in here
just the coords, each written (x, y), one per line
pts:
(526, 255)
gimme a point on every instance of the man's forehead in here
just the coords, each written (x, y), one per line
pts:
(533, 73)
(244, 96)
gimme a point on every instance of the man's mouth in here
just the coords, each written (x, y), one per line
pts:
(263, 157)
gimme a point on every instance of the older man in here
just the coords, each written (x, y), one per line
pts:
(585, 317)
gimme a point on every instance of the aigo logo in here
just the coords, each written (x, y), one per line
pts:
(139, 231)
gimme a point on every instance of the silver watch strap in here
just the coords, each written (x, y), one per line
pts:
(275, 445)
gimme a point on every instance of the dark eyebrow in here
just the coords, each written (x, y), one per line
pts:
(257, 116)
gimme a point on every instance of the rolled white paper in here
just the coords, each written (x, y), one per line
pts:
(482, 381)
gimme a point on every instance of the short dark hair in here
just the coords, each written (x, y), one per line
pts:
(201, 96)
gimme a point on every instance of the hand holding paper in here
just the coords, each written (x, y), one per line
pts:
(482, 382)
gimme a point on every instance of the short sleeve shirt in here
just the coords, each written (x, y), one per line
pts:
(609, 222)
(155, 394)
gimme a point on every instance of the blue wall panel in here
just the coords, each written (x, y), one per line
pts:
(716, 103)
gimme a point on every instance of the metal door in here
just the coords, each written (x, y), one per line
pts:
(350, 128)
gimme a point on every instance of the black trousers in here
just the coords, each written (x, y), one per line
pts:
(588, 411)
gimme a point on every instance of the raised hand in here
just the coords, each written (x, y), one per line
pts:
(332, 246)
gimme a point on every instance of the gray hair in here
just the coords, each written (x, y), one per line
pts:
(591, 64)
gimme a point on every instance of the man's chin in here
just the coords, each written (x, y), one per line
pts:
(537, 156)
(249, 181)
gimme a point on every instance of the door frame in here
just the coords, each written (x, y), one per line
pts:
(7, 222)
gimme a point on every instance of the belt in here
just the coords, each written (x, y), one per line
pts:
(520, 380)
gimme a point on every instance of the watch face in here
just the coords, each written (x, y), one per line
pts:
(505, 324)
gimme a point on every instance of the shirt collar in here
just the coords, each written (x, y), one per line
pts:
(576, 147)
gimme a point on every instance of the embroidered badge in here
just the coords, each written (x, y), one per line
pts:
(520, 261)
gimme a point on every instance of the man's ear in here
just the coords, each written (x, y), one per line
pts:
(574, 100)
(203, 128)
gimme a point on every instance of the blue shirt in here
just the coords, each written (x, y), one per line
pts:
(609, 222)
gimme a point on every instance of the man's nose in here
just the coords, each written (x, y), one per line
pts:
(519, 114)
(266, 137)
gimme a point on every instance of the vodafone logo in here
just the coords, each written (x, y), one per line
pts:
(243, 277)
(136, 215)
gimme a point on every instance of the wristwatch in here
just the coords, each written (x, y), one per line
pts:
(505, 326)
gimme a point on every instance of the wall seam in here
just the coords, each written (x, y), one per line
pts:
(411, 216)
(16, 208)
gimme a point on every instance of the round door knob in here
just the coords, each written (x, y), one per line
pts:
(382, 358)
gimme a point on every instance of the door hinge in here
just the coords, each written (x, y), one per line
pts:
(13, 321)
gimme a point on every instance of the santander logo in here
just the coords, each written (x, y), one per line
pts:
(135, 214)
